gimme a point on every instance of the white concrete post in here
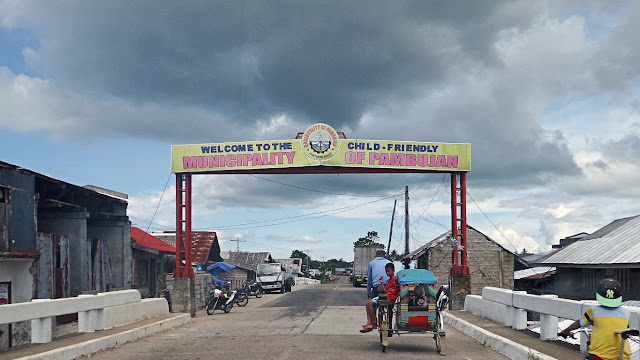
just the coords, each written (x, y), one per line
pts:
(518, 316)
(519, 321)
(99, 319)
(634, 323)
(583, 342)
(548, 327)
(86, 319)
(41, 331)
(548, 323)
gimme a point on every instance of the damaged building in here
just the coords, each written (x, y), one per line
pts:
(59, 240)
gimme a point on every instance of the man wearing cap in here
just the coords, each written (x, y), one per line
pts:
(374, 271)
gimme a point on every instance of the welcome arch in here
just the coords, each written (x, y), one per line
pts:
(320, 150)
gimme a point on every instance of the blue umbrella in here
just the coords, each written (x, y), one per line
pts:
(218, 268)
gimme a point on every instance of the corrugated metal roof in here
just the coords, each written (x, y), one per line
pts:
(248, 260)
(534, 273)
(201, 242)
(145, 239)
(618, 243)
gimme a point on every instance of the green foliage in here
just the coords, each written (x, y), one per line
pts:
(524, 252)
(371, 239)
(394, 256)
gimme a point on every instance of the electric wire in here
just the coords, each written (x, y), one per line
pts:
(494, 225)
(307, 189)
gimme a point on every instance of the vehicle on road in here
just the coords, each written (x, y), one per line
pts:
(274, 276)
(418, 309)
(252, 288)
(242, 298)
(362, 255)
(219, 299)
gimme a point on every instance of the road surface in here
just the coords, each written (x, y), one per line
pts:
(311, 322)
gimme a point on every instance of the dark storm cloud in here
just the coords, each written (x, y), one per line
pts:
(249, 60)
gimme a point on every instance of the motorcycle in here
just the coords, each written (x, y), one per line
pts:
(253, 289)
(220, 300)
(242, 299)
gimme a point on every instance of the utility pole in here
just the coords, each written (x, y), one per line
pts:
(391, 231)
(406, 220)
(238, 241)
(308, 259)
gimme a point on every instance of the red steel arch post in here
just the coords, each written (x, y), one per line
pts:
(183, 226)
(459, 224)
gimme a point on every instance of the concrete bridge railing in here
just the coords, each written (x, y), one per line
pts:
(510, 308)
(95, 312)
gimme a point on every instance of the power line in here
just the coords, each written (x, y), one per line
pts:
(494, 225)
(314, 190)
(274, 222)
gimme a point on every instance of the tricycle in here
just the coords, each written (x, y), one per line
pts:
(418, 309)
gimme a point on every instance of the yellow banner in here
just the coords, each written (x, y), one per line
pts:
(320, 145)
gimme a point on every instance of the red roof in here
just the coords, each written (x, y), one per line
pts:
(145, 239)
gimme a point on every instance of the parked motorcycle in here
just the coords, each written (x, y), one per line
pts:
(242, 299)
(252, 288)
(220, 300)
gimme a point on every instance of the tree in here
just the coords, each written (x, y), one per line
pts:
(371, 239)
(524, 253)
(393, 256)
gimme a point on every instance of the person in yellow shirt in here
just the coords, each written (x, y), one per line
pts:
(605, 319)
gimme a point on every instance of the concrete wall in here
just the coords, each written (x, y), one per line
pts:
(489, 264)
(117, 235)
(74, 225)
(203, 285)
(19, 273)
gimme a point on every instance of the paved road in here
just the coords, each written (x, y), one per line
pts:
(312, 322)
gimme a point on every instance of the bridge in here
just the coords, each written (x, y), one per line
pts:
(329, 312)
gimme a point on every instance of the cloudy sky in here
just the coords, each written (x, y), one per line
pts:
(546, 93)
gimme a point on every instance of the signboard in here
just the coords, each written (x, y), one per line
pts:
(320, 145)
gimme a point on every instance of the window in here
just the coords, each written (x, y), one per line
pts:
(140, 272)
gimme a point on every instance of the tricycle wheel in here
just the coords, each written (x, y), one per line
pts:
(437, 338)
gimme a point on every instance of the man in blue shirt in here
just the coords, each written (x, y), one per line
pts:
(374, 271)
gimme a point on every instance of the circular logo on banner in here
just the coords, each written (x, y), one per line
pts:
(320, 142)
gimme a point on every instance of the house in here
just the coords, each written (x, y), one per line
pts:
(490, 264)
(246, 264)
(612, 251)
(148, 270)
(205, 248)
(59, 240)
(536, 280)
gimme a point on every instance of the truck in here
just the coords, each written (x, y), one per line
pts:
(292, 265)
(274, 276)
(362, 255)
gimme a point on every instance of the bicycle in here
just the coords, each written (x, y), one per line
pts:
(625, 334)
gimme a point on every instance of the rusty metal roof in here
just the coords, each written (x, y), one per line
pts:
(617, 244)
(248, 260)
(201, 242)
